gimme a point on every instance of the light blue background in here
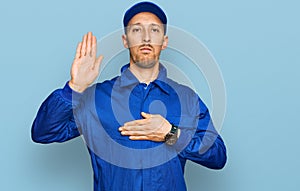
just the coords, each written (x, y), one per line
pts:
(256, 44)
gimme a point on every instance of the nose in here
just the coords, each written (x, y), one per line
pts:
(146, 36)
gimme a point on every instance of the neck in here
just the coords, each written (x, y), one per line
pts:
(144, 75)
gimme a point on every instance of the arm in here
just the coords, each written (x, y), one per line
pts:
(202, 145)
(206, 146)
(54, 121)
(198, 139)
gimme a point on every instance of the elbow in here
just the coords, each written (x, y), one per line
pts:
(216, 164)
(220, 156)
(35, 137)
(220, 160)
(37, 134)
(34, 134)
(216, 160)
(220, 164)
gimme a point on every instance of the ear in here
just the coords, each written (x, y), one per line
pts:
(165, 42)
(125, 41)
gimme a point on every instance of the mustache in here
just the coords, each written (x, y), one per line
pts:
(146, 45)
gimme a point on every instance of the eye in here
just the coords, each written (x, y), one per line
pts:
(156, 30)
(136, 29)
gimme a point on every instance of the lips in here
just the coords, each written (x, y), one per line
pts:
(145, 49)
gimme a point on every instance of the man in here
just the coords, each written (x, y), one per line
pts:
(140, 127)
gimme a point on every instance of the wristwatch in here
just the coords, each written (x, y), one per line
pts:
(171, 137)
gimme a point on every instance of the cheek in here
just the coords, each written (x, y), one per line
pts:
(157, 50)
(133, 51)
(132, 42)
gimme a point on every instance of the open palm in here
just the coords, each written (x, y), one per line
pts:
(85, 67)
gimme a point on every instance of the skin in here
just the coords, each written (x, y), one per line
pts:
(144, 64)
(86, 65)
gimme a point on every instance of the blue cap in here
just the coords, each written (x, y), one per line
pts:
(144, 7)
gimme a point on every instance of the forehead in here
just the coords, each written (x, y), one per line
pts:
(145, 18)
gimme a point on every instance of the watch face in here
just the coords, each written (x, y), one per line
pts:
(171, 139)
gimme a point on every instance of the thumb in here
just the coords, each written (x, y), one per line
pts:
(146, 115)
(98, 62)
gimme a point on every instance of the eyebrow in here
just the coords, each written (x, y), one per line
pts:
(153, 24)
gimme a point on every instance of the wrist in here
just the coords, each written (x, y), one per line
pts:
(76, 87)
(70, 95)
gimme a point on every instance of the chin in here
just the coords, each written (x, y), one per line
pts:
(146, 63)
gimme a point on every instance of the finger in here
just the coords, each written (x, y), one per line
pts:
(139, 138)
(146, 115)
(133, 128)
(94, 46)
(83, 47)
(89, 44)
(78, 50)
(134, 133)
(135, 123)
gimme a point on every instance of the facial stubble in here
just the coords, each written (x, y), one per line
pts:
(145, 61)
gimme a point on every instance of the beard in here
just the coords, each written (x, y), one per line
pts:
(143, 60)
(145, 63)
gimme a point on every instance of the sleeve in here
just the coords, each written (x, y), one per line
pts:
(55, 121)
(205, 145)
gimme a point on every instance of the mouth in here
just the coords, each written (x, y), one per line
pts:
(146, 49)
